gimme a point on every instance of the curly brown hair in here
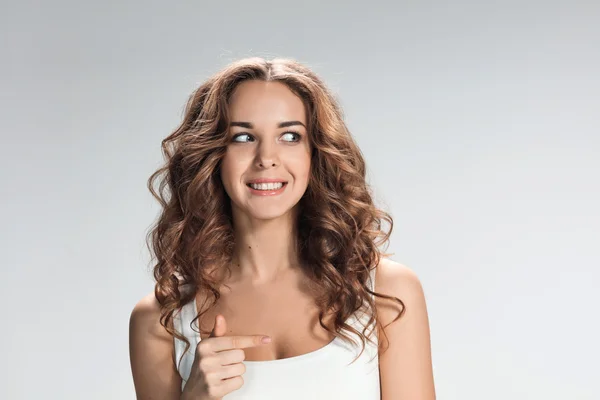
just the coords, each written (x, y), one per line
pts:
(339, 227)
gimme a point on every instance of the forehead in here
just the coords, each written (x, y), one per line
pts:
(259, 100)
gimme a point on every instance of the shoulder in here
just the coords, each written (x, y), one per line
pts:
(145, 315)
(388, 268)
(396, 280)
(144, 323)
(151, 351)
(405, 365)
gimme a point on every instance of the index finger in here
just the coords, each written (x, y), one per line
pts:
(237, 342)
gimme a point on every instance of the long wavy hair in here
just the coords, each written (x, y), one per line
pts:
(340, 230)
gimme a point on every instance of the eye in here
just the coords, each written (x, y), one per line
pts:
(242, 138)
(291, 136)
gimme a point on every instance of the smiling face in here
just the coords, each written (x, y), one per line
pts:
(268, 140)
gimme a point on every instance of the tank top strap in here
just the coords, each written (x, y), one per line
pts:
(184, 317)
(372, 280)
(182, 320)
(360, 318)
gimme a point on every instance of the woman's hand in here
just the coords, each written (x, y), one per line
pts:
(217, 368)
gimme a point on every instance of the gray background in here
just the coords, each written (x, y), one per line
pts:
(478, 120)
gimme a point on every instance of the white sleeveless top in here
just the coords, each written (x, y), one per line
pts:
(325, 373)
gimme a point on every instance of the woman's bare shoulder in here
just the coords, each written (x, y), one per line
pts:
(391, 274)
(405, 367)
(396, 280)
(146, 314)
(151, 353)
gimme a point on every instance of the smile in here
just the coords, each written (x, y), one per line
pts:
(267, 189)
(267, 186)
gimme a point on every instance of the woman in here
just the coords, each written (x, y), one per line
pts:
(269, 231)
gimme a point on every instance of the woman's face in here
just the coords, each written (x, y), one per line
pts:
(268, 140)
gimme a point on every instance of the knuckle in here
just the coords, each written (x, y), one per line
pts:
(211, 377)
(204, 365)
(241, 354)
(213, 391)
(239, 382)
(203, 347)
(235, 341)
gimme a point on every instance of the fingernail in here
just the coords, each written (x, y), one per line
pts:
(266, 339)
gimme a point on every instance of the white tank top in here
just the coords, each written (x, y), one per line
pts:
(325, 373)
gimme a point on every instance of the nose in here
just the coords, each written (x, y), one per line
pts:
(267, 156)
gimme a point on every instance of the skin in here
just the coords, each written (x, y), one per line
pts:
(266, 280)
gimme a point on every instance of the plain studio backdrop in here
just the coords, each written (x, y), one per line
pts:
(479, 122)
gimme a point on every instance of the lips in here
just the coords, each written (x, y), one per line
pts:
(266, 180)
(249, 184)
(267, 189)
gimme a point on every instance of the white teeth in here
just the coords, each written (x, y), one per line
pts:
(267, 186)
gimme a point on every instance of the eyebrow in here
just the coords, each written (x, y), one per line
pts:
(248, 125)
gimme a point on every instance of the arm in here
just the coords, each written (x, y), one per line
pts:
(405, 367)
(151, 354)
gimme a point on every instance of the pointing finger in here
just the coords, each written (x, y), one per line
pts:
(238, 342)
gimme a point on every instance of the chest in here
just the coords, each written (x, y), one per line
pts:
(285, 312)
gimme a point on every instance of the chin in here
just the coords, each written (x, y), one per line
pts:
(266, 215)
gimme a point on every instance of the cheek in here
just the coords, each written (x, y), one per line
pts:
(300, 165)
(233, 164)
(228, 172)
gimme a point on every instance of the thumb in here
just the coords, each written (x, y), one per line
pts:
(220, 326)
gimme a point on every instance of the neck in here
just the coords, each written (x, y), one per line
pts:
(264, 249)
